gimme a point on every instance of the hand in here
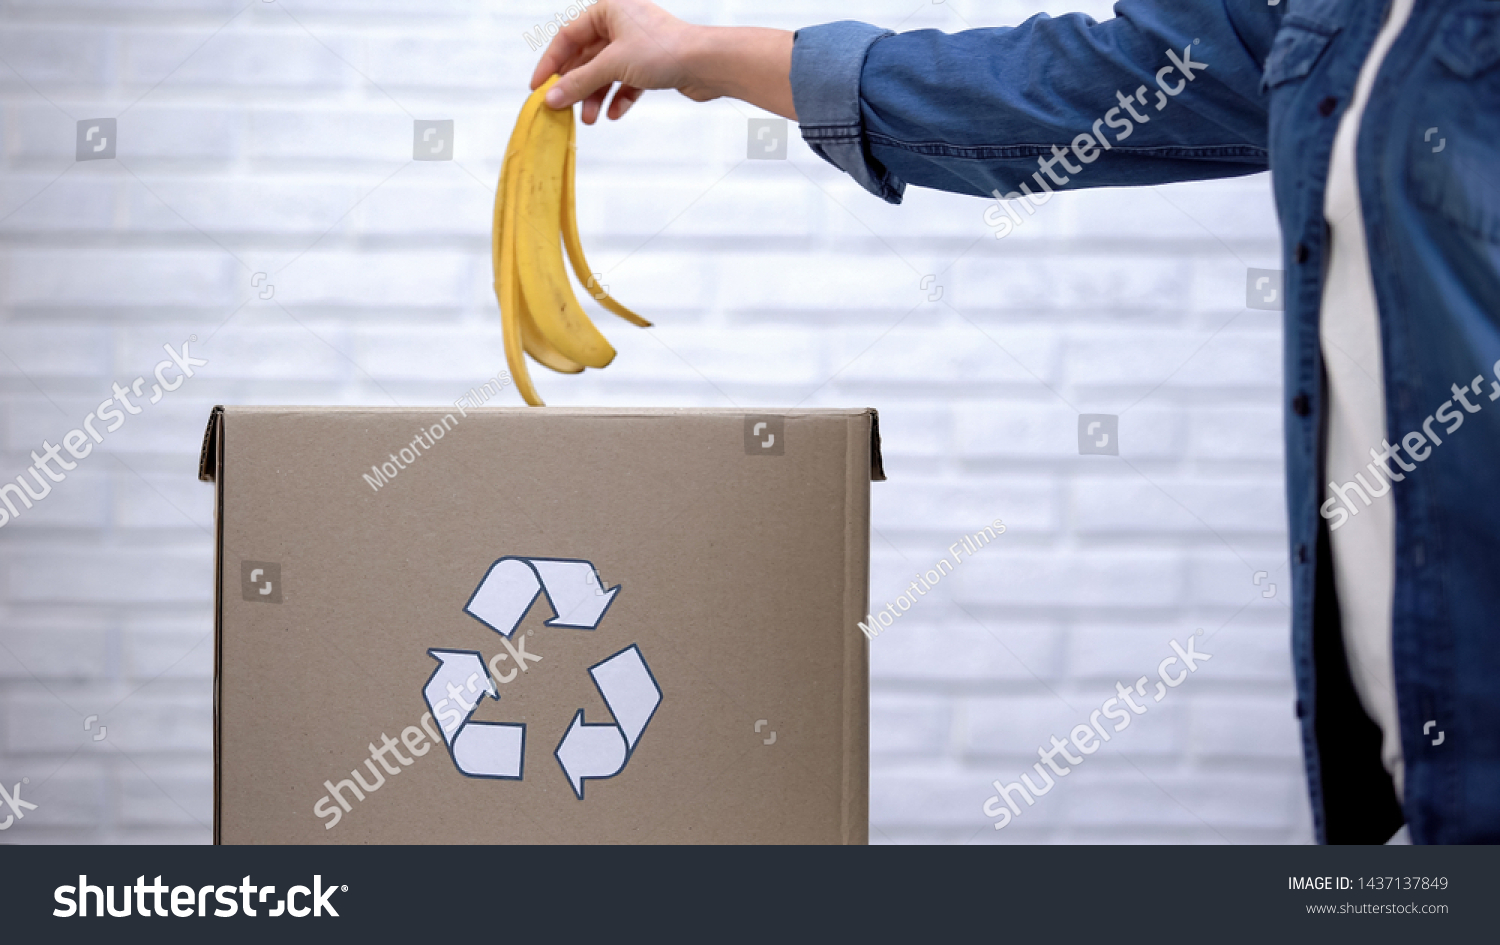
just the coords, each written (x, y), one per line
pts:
(632, 42)
(641, 46)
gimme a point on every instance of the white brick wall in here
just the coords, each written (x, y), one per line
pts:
(275, 137)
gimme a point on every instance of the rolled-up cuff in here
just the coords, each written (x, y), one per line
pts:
(826, 64)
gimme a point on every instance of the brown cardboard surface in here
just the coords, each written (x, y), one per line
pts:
(742, 577)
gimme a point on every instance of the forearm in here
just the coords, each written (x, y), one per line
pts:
(747, 63)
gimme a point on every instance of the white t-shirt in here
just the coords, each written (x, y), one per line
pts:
(1364, 546)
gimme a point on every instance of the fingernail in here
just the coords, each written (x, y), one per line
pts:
(555, 97)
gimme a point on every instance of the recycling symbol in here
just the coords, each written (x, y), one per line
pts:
(459, 684)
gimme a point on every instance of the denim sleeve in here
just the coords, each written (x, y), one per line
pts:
(1165, 91)
(826, 65)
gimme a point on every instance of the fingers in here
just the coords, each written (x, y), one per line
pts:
(585, 80)
(625, 97)
(593, 104)
(566, 46)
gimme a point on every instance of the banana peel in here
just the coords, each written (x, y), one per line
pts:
(535, 219)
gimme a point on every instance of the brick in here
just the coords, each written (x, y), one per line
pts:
(1244, 727)
(233, 206)
(286, 351)
(907, 431)
(32, 202)
(1229, 359)
(668, 288)
(40, 721)
(40, 652)
(415, 280)
(700, 205)
(955, 647)
(903, 797)
(162, 501)
(1129, 578)
(139, 6)
(1049, 430)
(449, 60)
(174, 425)
(55, 56)
(121, 576)
(1123, 652)
(1097, 283)
(800, 282)
(1016, 726)
(170, 132)
(166, 654)
(1255, 645)
(1218, 577)
(739, 356)
(97, 277)
(157, 719)
(952, 509)
(1163, 505)
(80, 501)
(380, 134)
(908, 725)
(1228, 434)
(960, 357)
(1004, 726)
(407, 205)
(181, 60)
(54, 351)
(67, 798)
(177, 796)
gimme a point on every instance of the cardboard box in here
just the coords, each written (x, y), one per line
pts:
(682, 587)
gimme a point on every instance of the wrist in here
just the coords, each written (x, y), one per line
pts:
(703, 52)
(747, 63)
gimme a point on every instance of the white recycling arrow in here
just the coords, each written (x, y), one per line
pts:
(453, 692)
(601, 751)
(511, 586)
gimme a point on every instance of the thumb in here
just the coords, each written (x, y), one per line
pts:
(585, 80)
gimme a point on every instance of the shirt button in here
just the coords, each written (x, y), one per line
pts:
(1301, 554)
(1301, 253)
(1326, 107)
(1301, 405)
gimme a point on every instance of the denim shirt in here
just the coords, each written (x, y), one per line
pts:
(1170, 90)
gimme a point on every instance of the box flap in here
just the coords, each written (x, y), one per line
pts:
(208, 460)
(877, 462)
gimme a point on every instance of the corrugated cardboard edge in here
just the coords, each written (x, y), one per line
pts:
(210, 461)
(209, 455)
(865, 464)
